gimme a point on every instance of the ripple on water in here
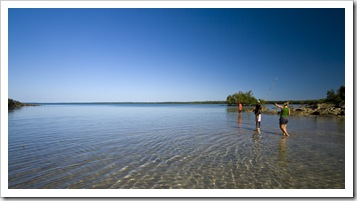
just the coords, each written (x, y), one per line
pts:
(170, 147)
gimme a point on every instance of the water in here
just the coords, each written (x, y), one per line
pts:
(148, 146)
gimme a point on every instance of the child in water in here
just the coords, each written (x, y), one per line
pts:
(257, 111)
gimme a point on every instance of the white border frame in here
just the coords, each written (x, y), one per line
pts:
(347, 192)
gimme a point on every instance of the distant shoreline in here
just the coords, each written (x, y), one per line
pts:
(181, 102)
(190, 102)
(318, 108)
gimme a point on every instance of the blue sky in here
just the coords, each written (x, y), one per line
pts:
(144, 55)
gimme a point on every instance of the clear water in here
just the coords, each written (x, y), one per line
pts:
(170, 146)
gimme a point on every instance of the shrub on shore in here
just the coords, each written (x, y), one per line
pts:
(337, 96)
(13, 104)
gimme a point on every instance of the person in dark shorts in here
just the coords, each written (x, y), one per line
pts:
(257, 111)
(284, 113)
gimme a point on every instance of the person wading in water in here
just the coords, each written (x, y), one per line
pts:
(257, 111)
(284, 113)
(240, 107)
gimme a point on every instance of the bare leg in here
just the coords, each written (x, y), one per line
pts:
(286, 132)
(258, 129)
(256, 122)
(284, 129)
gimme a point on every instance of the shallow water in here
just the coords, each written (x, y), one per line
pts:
(170, 146)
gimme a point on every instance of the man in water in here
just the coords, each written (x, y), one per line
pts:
(240, 107)
(257, 111)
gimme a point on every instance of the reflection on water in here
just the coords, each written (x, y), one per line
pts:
(240, 120)
(170, 146)
(282, 153)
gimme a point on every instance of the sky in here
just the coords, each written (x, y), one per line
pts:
(158, 55)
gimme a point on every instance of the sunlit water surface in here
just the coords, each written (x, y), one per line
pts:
(170, 146)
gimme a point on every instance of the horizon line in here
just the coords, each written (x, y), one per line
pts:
(157, 102)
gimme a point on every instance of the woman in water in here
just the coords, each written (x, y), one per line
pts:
(283, 121)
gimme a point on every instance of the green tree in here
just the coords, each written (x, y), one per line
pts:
(12, 104)
(230, 100)
(341, 92)
(337, 96)
(244, 98)
(330, 95)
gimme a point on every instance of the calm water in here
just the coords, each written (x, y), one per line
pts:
(170, 146)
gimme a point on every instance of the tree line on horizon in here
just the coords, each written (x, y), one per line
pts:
(247, 98)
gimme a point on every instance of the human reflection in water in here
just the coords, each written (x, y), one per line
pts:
(256, 147)
(256, 137)
(240, 120)
(282, 153)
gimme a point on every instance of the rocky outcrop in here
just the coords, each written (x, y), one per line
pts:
(265, 110)
(320, 109)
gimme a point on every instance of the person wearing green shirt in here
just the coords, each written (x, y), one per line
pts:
(284, 113)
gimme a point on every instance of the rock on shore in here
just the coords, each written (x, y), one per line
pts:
(319, 109)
